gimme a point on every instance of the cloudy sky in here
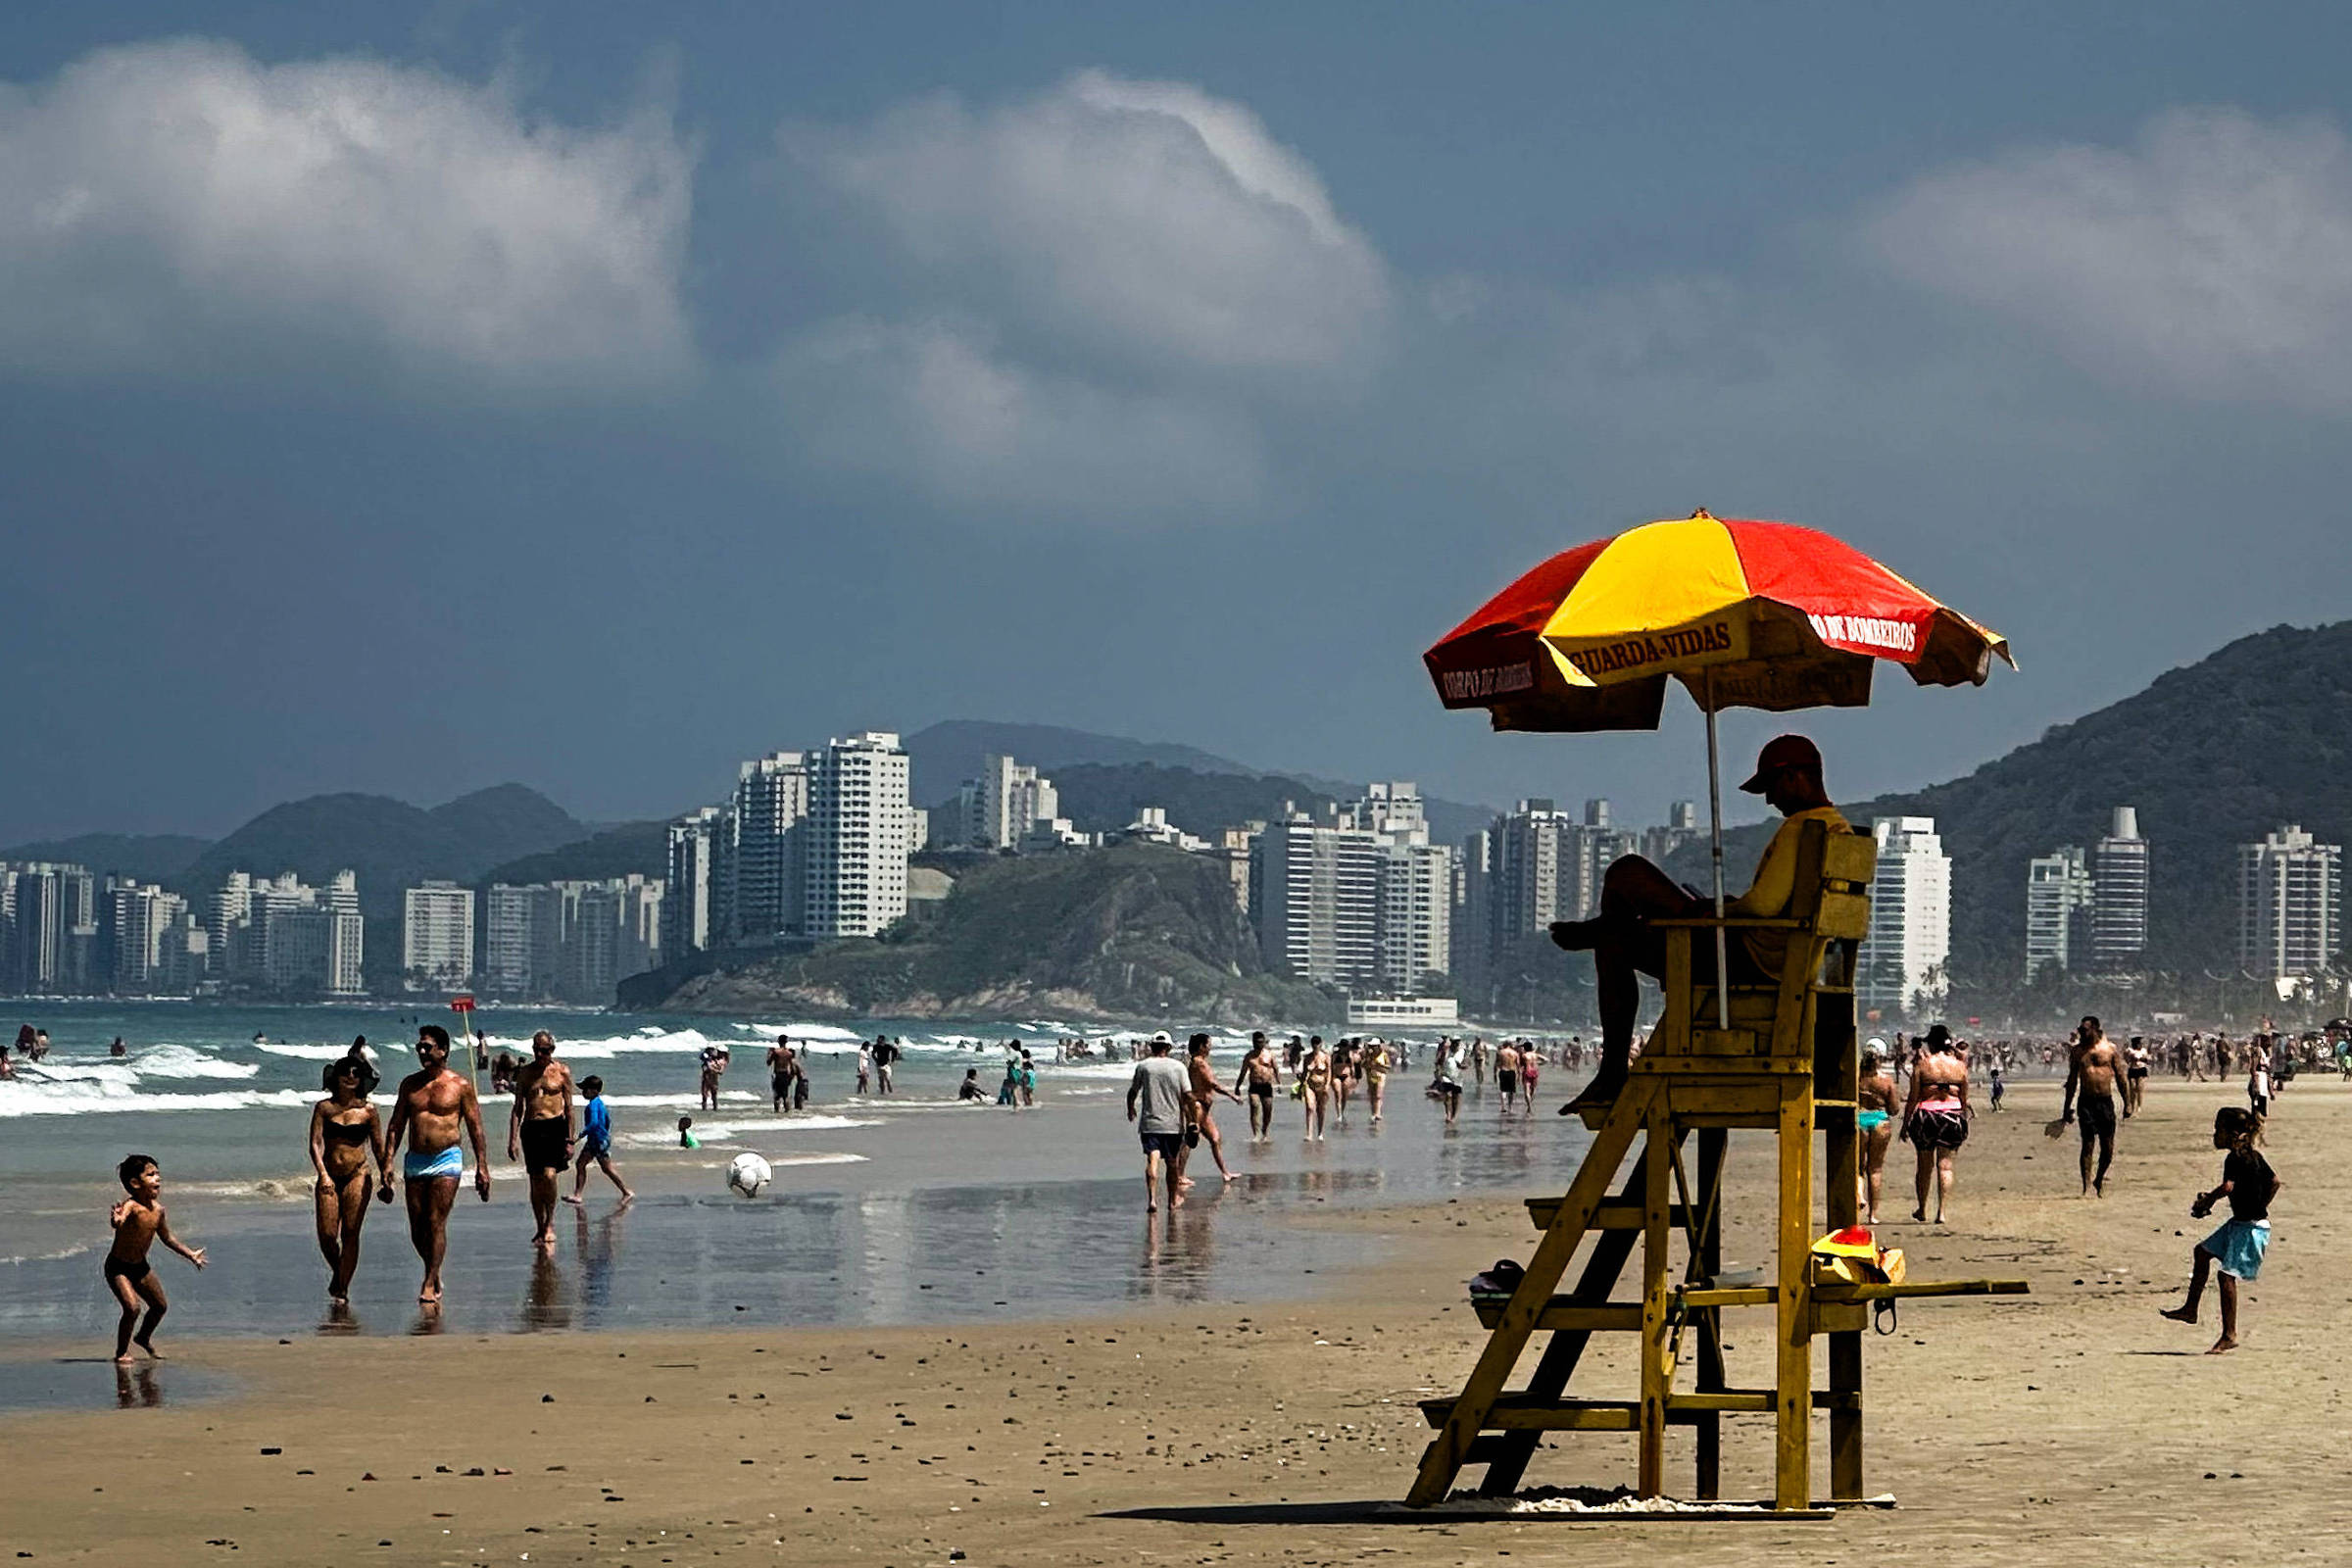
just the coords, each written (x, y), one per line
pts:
(407, 399)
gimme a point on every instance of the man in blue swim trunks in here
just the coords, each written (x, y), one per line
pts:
(434, 1108)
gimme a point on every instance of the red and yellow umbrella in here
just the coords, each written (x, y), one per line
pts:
(1745, 613)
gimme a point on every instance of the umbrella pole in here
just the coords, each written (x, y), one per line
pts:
(1723, 993)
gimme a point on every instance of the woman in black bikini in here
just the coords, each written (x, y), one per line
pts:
(344, 1129)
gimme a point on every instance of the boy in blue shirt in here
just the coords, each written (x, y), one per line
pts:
(596, 1140)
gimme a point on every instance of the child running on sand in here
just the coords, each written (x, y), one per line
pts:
(138, 1221)
(2249, 1183)
(596, 1142)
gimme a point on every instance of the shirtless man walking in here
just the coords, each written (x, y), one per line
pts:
(2094, 1072)
(434, 1110)
(1259, 1074)
(539, 1132)
(783, 1065)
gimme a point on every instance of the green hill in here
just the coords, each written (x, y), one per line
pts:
(148, 857)
(2214, 754)
(391, 844)
(1133, 931)
(642, 847)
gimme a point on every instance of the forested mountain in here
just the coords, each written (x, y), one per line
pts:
(2214, 754)
(391, 844)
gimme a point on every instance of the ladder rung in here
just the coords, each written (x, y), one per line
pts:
(1567, 1312)
(1731, 1295)
(1726, 1399)
(1487, 1447)
(1613, 1215)
(1515, 1412)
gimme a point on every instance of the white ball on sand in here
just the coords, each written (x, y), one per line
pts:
(748, 1173)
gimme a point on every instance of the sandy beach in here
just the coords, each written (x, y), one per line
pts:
(2005, 1430)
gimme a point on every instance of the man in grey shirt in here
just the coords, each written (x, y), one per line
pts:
(1159, 1092)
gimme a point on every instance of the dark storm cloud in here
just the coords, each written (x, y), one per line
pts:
(1089, 396)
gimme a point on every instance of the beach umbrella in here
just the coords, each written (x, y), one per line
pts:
(1743, 614)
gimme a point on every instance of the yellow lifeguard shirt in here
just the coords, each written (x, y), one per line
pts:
(1768, 895)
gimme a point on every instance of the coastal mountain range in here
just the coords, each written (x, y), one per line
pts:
(512, 833)
(2214, 754)
(2253, 737)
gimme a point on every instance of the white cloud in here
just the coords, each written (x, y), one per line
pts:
(2213, 255)
(181, 206)
(1146, 221)
(930, 407)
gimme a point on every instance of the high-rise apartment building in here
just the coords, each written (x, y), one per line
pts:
(1901, 964)
(2119, 912)
(1364, 900)
(48, 928)
(2059, 901)
(1315, 895)
(1534, 853)
(231, 918)
(569, 941)
(769, 880)
(692, 917)
(1681, 827)
(140, 918)
(280, 934)
(184, 957)
(437, 937)
(1473, 934)
(857, 837)
(1415, 938)
(1010, 801)
(522, 933)
(2289, 905)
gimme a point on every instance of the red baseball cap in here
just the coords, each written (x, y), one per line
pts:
(1784, 751)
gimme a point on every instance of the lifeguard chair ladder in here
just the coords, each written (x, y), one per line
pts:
(1785, 1061)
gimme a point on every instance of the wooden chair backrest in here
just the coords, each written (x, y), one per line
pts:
(1838, 889)
(1833, 881)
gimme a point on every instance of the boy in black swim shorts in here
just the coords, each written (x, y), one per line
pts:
(138, 1221)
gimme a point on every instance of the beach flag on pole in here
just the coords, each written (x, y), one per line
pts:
(463, 1006)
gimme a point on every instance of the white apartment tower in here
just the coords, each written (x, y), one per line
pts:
(346, 937)
(1364, 901)
(2289, 905)
(1010, 800)
(1317, 901)
(1901, 963)
(691, 908)
(522, 931)
(143, 917)
(2119, 912)
(1533, 850)
(2059, 901)
(437, 936)
(859, 822)
(771, 801)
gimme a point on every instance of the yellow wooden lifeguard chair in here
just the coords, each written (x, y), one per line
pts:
(1765, 1056)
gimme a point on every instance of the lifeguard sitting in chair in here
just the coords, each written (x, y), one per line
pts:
(1625, 944)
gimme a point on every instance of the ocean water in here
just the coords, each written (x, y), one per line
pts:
(910, 1209)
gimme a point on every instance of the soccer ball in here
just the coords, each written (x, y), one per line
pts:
(748, 1173)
